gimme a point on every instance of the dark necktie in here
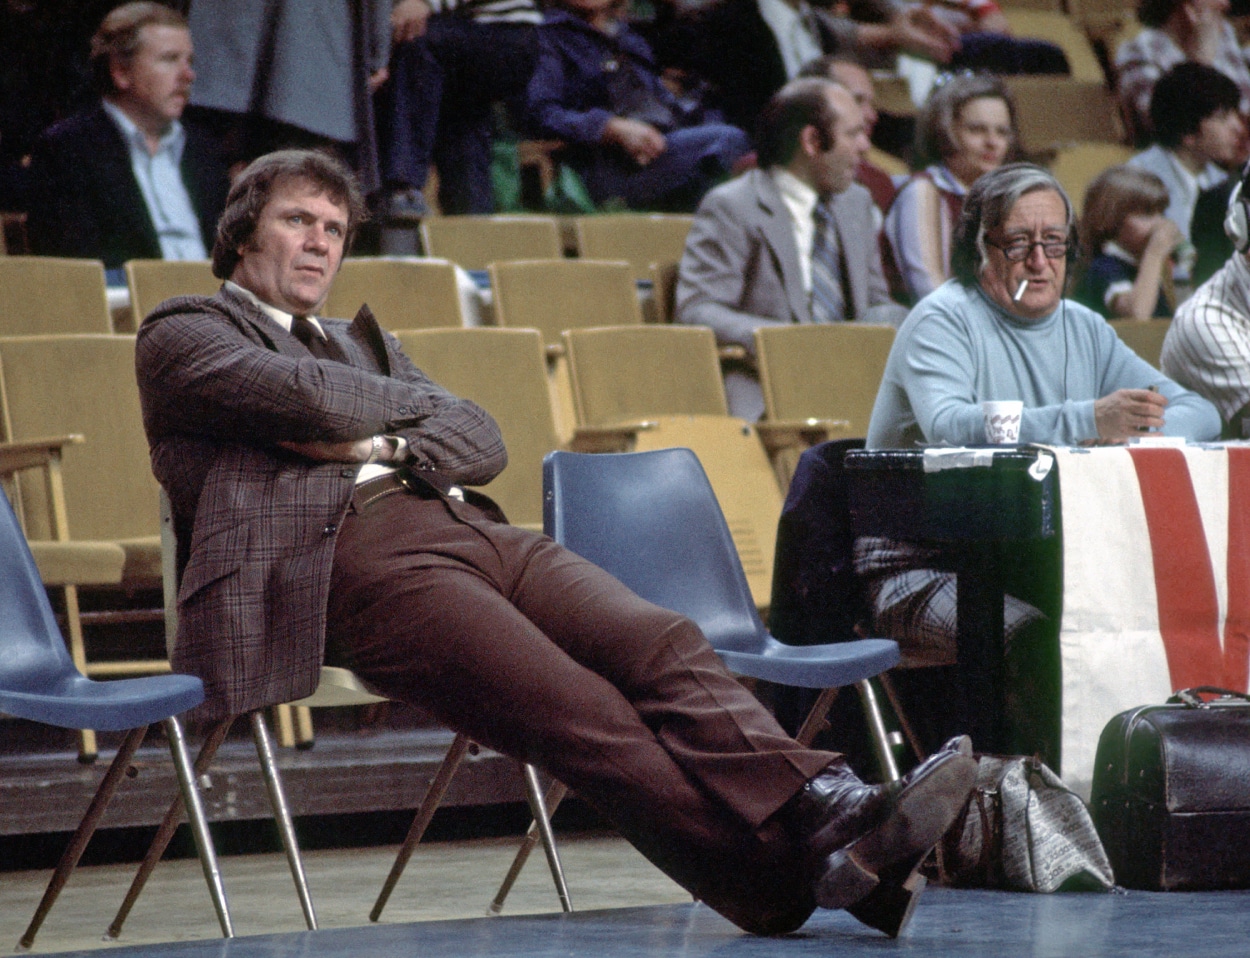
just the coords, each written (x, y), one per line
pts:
(828, 295)
(306, 333)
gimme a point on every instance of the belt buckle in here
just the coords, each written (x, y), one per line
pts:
(405, 479)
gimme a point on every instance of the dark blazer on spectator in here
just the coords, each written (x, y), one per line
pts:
(86, 203)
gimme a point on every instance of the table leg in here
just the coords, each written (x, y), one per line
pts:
(979, 637)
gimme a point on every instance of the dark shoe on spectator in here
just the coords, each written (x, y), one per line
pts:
(405, 205)
(866, 842)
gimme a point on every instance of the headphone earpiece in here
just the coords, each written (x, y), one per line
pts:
(1237, 219)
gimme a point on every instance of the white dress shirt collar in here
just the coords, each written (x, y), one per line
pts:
(282, 318)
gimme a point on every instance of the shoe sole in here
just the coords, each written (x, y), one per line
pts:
(921, 816)
(890, 905)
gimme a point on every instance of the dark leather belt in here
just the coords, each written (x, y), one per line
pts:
(401, 480)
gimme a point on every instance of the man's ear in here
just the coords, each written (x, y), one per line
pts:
(810, 141)
(120, 74)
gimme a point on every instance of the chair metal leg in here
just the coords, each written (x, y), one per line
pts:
(897, 705)
(429, 805)
(86, 828)
(876, 726)
(534, 792)
(282, 814)
(87, 747)
(199, 824)
(817, 719)
(555, 795)
(165, 831)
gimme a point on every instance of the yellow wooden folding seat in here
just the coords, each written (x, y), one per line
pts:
(553, 295)
(638, 238)
(151, 281)
(474, 242)
(656, 387)
(48, 294)
(826, 372)
(402, 294)
(54, 386)
(1053, 111)
(1062, 31)
(1143, 336)
(503, 371)
(1077, 164)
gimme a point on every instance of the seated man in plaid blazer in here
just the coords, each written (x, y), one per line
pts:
(317, 480)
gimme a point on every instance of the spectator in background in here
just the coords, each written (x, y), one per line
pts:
(447, 72)
(631, 140)
(292, 73)
(1127, 246)
(126, 179)
(967, 128)
(790, 242)
(748, 49)
(1199, 135)
(849, 72)
(1177, 31)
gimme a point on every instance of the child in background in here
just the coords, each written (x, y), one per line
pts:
(1127, 246)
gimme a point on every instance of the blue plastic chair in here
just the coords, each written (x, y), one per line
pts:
(652, 520)
(38, 681)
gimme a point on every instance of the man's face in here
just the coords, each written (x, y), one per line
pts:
(154, 86)
(1221, 138)
(292, 257)
(859, 83)
(1037, 217)
(833, 169)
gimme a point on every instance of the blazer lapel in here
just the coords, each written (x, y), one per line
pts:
(778, 233)
(856, 295)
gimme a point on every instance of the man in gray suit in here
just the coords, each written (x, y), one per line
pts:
(317, 480)
(790, 242)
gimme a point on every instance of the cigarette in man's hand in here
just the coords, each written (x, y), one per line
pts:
(1024, 284)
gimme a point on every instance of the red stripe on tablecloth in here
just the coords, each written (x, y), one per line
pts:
(1237, 620)
(1184, 581)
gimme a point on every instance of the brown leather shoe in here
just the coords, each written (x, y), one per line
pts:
(920, 807)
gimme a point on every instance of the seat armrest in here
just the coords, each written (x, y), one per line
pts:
(33, 453)
(778, 435)
(617, 437)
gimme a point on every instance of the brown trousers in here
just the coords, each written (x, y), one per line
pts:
(534, 652)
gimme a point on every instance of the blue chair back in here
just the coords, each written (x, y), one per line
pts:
(32, 650)
(652, 520)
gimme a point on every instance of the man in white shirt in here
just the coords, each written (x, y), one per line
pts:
(1199, 134)
(126, 179)
(791, 242)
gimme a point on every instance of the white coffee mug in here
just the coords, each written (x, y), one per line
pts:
(1002, 421)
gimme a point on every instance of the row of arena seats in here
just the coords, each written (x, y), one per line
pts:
(628, 387)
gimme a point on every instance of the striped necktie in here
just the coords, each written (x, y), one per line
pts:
(828, 297)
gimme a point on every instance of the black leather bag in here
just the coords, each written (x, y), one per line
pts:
(1171, 792)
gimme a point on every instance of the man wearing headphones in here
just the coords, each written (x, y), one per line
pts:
(1001, 329)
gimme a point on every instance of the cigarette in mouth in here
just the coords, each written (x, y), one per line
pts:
(1024, 284)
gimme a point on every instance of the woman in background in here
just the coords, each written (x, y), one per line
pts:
(967, 128)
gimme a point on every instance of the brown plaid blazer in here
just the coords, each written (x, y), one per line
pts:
(220, 383)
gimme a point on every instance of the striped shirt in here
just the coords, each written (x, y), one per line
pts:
(1208, 345)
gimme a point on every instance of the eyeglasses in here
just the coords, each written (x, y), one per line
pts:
(1017, 251)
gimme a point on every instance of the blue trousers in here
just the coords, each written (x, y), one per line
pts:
(437, 106)
(697, 158)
